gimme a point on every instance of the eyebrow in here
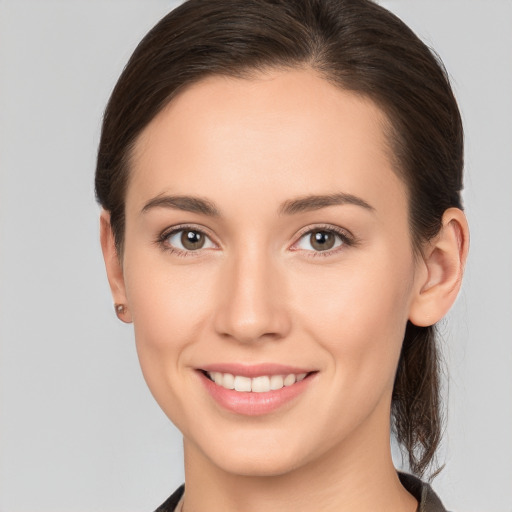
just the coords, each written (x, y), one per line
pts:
(185, 203)
(299, 205)
(315, 202)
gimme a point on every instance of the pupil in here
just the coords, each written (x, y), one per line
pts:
(322, 240)
(192, 240)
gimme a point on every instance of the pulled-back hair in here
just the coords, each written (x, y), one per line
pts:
(360, 47)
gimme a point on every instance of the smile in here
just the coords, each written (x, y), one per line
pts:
(254, 390)
(260, 384)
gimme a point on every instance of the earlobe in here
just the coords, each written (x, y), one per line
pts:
(444, 259)
(113, 267)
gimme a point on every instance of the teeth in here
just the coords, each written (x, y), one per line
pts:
(289, 380)
(242, 383)
(260, 384)
(276, 382)
(228, 381)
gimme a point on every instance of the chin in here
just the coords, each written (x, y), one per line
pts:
(264, 455)
(258, 465)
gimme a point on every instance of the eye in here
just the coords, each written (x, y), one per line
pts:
(187, 239)
(321, 240)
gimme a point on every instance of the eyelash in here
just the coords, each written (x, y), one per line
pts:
(164, 236)
(347, 239)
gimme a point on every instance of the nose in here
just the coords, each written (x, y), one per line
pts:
(252, 304)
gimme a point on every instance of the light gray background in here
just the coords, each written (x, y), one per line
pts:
(78, 429)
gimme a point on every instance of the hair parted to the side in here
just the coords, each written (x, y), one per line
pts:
(355, 44)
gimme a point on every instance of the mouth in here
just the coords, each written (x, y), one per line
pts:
(258, 384)
(258, 389)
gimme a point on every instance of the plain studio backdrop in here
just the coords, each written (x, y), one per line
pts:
(79, 431)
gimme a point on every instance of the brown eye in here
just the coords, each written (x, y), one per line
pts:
(322, 240)
(187, 239)
(192, 240)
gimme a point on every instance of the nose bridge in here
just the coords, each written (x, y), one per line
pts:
(252, 304)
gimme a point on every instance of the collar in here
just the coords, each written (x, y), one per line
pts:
(427, 499)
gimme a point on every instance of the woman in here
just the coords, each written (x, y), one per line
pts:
(282, 223)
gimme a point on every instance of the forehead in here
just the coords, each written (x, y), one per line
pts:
(291, 129)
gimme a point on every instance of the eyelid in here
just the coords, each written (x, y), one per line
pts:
(166, 233)
(346, 237)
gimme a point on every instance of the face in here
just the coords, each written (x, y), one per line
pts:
(267, 247)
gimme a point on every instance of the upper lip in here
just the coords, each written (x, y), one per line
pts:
(254, 370)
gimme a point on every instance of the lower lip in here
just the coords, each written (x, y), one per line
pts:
(254, 404)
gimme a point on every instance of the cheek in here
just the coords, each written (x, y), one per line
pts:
(358, 314)
(166, 295)
(170, 305)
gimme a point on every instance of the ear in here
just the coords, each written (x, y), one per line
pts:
(442, 267)
(113, 267)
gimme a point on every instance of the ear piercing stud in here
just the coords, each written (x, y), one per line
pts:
(120, 310)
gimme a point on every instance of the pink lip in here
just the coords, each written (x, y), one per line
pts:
(254, 370)
(250, 403)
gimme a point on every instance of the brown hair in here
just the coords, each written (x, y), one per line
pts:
(360, 47)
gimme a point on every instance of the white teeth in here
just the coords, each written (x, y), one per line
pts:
(242, 383)
(228, 381)
(276, 382)
(289, 380)
(260, 384)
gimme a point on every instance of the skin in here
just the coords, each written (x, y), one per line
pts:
(258, 291)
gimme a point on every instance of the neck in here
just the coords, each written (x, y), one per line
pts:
(357, 475)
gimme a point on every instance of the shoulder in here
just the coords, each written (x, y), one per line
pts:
(170, 504)
(427, 498)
